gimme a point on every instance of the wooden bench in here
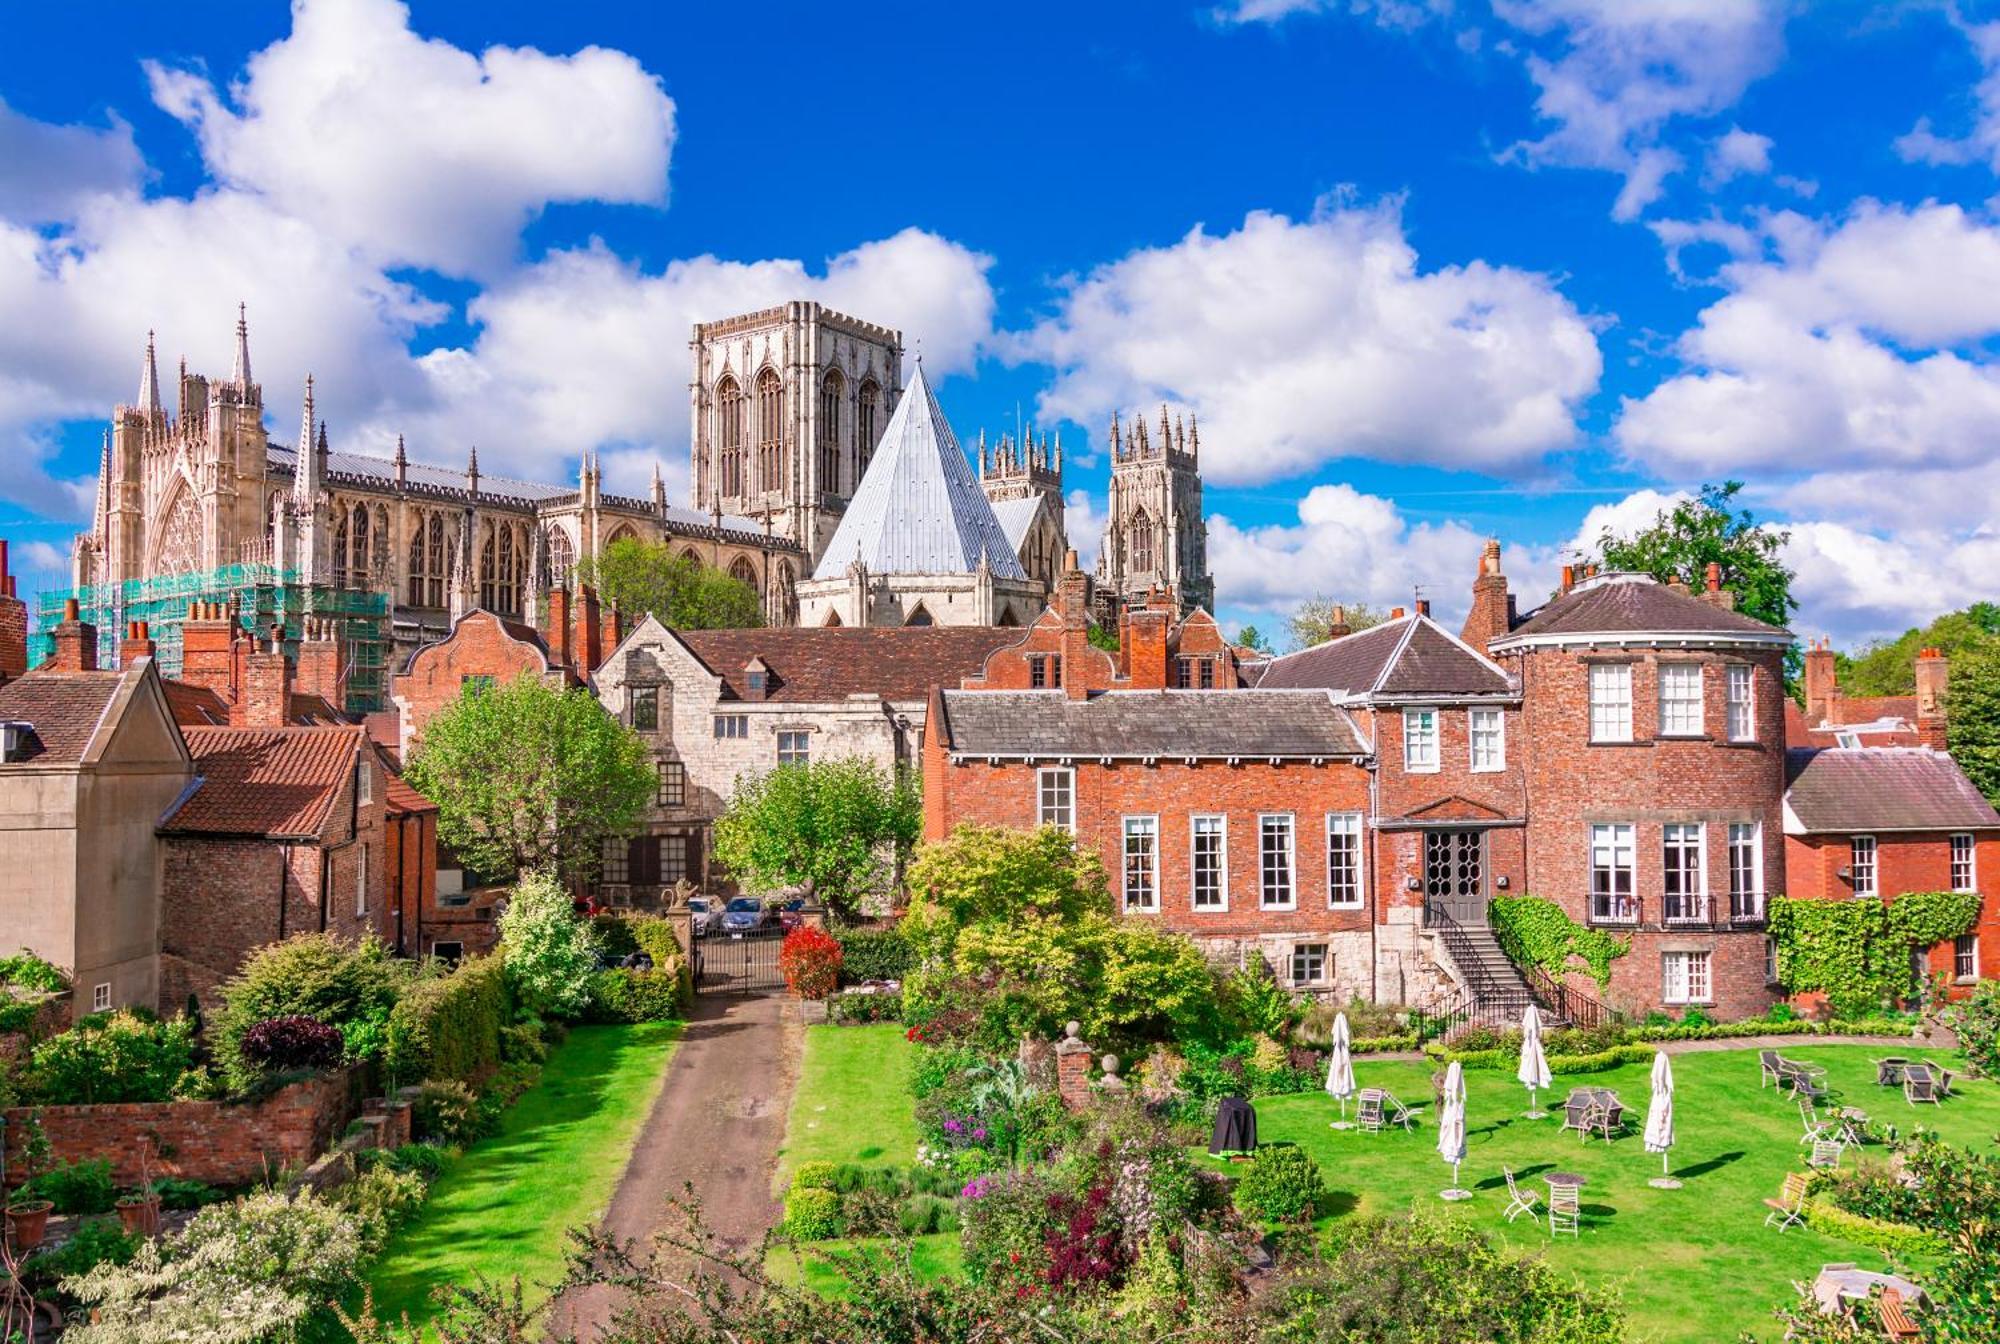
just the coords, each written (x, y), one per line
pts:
(1789, 1208)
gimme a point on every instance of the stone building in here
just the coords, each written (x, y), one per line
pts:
(1155, 536)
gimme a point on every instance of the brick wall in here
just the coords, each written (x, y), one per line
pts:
(1908, 861)
(13, 624)
(218, 1142)
(479, 645)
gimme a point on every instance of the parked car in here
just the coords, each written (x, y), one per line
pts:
(701, 915)
(747, 914)
(791, 915)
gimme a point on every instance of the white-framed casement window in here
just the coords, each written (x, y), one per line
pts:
(1612, 852)
(1741, 684)
(1746, 870)
(1965, 957)
(1964, 872)
(1611, 702)
(1343, 860)
(1420, 740)
(1486, 730)
(1142, 864)
(673, 784)
(364, 783)
(1055, 797)
(1208, 862)
(1680, 700)
(731, 726)
(100, 997)
(1684, 977)
(794, 747)
(1308, 964)
(1275, 855)
(1861, 865)
(1770, 961)
(1683, 874)
(361, 883)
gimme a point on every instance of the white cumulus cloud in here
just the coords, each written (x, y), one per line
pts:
(48, 171)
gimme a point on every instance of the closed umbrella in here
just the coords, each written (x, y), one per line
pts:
(1660, 1119)
(1340, 1069)
(1534, 1070)
(1451, 1127)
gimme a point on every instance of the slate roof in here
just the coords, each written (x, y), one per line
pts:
(918, 509)
(822, 664)
(1169, 724)
(1015, 517)
(1894, 726)
(265, 781)
(1848, 790)
(64, 709)
(1614, 604)
(1396, 660)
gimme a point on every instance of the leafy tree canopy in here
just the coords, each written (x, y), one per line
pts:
(1250, 637)
(1709, 529)
(645, 576)
(1312, 623)
(1888, 666)
(1100, 638)
(1972, 716)
(529, 776)
(831, 827)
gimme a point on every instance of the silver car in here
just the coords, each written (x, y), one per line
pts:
(701, 915)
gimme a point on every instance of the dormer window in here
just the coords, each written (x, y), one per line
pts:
(757, 680)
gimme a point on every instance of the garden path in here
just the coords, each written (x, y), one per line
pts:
(716, 1126)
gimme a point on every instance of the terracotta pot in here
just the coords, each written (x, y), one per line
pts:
(140, 1214)
(28, 1223)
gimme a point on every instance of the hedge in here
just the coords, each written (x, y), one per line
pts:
(449, 1027)
(1893, 1240)
(622, 935)
(1639, 1048)
(852, 1009)
(624, 995)
(873, 954)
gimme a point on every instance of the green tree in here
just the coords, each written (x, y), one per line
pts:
(549, 953)
(529, 776)
(1972, 717)
(645, 576)
(1709, 529)
(1888, 667)
(1313, 622)
(1250, 637)
(836, 828)
(1100, 638)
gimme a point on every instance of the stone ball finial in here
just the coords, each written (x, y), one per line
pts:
(1109, 1064)
(1072, 1028)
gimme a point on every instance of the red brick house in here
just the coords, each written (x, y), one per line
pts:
(1886, 821)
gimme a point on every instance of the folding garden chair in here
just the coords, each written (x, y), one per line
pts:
(1565, 1209)
(1919, 1085)
(1770, 1068)
(1826, 1153)
(1519, 1201)
(1789, 1208)
(1817, 1127)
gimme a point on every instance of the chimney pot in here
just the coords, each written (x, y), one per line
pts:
(1568, 577)
(1712, 578)
(1423, 606)
(1396, 613)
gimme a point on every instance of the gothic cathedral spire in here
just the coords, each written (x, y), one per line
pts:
(242, 371)
(149, 383)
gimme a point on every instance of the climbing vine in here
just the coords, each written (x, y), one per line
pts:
(1857, 952)
(1536, 932)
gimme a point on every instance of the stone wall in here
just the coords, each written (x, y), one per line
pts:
(222, 1143)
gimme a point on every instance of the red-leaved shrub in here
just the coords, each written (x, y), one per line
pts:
(295, 1042)
(810, 961)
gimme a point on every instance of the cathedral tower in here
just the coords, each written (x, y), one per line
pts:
(1156, 536)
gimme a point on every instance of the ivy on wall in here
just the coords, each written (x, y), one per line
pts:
(1857, 952)
(1536, 932)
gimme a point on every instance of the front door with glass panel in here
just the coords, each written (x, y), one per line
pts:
(1455, 875)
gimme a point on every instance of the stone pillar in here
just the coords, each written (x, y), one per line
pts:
(1073, 1068)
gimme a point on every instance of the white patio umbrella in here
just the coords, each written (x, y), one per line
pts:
(1340, 1069)
(1451, 1128)
(1534, 1070)
(1660, 1120)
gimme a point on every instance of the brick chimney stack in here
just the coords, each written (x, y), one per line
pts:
(586, 648)
(1145, 650)
(322, 667)
(1073, 605)
(138, 643)
(1491, 613)
(76, 642)
(611, 631)
(13, 624)
(1933, 675)
(1822, 685)
(1712, 590)
(555, 627)
(206, 654)
(266, 701)
(1338, 627)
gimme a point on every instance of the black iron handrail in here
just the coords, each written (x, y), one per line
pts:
(1565, 1004)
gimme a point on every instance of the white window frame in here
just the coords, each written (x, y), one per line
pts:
(1620, 838)
(1426, 762)
(1221, 834)
(1064, 779)
(1740, 694)
(364, 783)
(361, 884)
(1610, 702)
(1678, 981)
(1680, 714)
(1497, 732)
(1770, 961)
(1751, 893)
(1147, 826)
(1966, 944)
(1674, 834)
(1857, 846)
(1964, 862)
(1351, 827)
(100, 997)
(1325, 953)
(1291, 862)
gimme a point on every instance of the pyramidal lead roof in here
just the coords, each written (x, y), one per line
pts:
(918, 509)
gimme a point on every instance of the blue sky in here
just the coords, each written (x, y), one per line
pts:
(1428, 270)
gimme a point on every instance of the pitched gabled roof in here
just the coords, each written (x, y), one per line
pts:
(401, 798)
(196, 706)
(918, 509)
(1628, 604)
(1166, 724)
(64, 711)
(1850, 790)
(821, 664)
(1411, 657)
(265, 781)
(1015, 517)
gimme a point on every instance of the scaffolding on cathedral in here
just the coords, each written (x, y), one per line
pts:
(261, 596)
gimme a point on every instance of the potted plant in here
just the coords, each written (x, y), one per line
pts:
(140, 1210)
(27, 1215)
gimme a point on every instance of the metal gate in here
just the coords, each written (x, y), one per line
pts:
(742, 963)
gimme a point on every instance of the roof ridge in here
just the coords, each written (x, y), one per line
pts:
(1415, 622)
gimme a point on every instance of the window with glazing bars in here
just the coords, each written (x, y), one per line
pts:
(1274, 849)
(1208, 859)
(1682, 881)
(1964, 877)
(1680, 699)
(1611, 862)
(1861, 861)
(1746, 870)
(1343, 858)
(1611, 702)
(1741, 687)
(1142, 863)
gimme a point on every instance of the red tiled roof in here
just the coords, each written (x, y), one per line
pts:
(819, 664)
(196, 706)
(63, 708)
(1889, 729)
(403, 798)
(265, 781)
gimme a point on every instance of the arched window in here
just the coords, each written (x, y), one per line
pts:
(770, 431)
(691, 556)
(729, 431)
(741, 568)
(920, 615)
(357, 568)
(378, 558)
(340, 545)
(1007, 617)
(415, 565)
(436, 558)
(829, 433)
(562, 557)
(1140, 547)
(507, 576)
(486, 573)
(784, 585)
(832, 619)
(865, 407)
(624, 532)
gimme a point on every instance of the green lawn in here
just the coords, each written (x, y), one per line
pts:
(502, 1209)
(853, 1102)
(1695, 1265)
(933, 1257)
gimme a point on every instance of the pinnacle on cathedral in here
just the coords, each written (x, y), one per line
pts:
(149, 382)
(242, 371)
(305, 474)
